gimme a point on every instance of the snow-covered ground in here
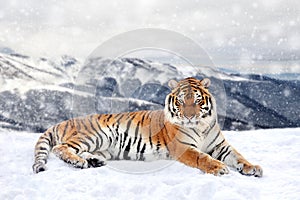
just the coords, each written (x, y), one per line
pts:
(276, 150)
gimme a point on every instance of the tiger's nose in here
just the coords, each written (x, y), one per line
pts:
(189, 117)
(189, 112)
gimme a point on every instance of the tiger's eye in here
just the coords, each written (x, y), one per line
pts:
(198, 101)
(180, 101)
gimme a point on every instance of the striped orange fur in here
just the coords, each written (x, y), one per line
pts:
(186, 130)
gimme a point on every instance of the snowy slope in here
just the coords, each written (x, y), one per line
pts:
(36, 93)
(276, 150)
(40, 71)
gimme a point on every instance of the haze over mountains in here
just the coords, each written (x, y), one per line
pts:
(36, 93)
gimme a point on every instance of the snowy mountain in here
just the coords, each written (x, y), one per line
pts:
(154, 180)
(36, 93)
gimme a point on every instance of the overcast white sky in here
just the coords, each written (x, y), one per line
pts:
(256, 36)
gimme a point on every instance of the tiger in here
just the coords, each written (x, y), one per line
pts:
(186, 130)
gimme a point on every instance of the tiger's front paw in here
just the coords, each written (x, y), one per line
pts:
(217, 168)
(250, 170)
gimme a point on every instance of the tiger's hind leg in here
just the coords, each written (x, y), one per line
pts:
(95, 159)
(68, 154)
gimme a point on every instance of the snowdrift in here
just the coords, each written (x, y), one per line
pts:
(276, 150)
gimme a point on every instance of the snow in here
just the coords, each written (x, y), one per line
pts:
(276, 150)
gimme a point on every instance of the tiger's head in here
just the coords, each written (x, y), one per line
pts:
(189, 102)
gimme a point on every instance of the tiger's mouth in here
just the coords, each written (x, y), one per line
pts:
(190, 122)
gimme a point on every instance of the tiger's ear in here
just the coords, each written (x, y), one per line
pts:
(172, 84)
(205, 82)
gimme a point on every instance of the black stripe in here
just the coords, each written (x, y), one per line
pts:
(120, 147)
(83, 123)
(147, 114)
(41, 157)
(142, 152)
(43, 142)
(126, 131)
(213, 139)
(158, 143)
(116, 140)
(46, 138)
(165, 143)
(139, 145)
(73, 147)
(95, 132)
(116, 128)
(100, 136)
(127, 149)
(123, 140)
(211, 105)
(169, 104)
(195, 132)
(216, 147)
(72, 123)
(185, 87)
(173, 112)
(76, 143)
(161, 122)
(109, 137)
(86, 143)
(143, 118)
(65, 129)
(185, 143)
(214, 123)
(127, 128)
(110, 141)
(105, 134)
(108, 118)
(150, 136)
(51, 136)
(118, 115)
(206, 131)
(42, 149)
(87, 137)
(97, 143)
(185, 133)
(222, 153)
(102, 154)
(222, 149)
(78, 124)
(136, 132)
(121, 115)
(226, 155)
(41, 152)
(91, 124)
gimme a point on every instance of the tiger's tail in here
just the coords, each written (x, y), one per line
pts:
(41, 151)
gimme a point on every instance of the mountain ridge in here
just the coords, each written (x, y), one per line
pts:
(36, 93)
